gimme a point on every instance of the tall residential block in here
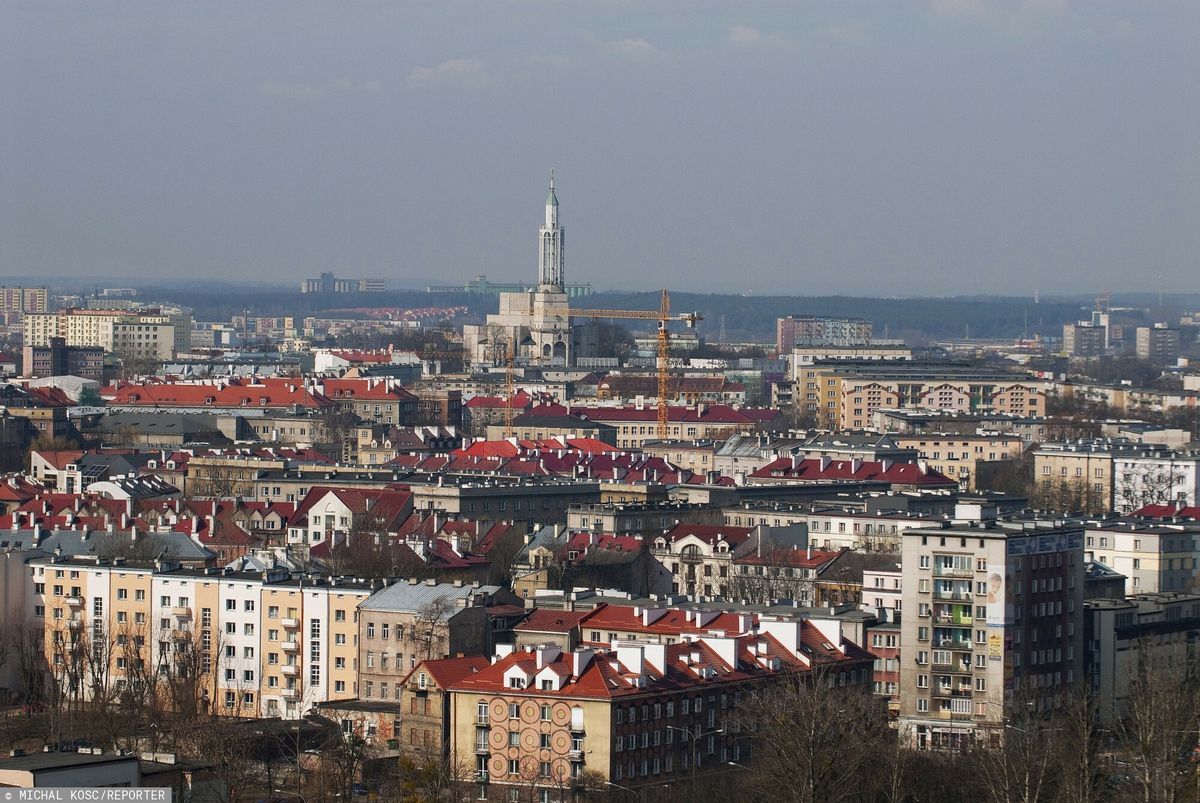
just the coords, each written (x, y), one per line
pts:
(993, 618)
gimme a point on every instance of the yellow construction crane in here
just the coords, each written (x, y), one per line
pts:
(662, 315)
(510, 371)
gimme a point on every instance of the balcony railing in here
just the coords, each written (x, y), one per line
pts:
(290, 624)
(575, 755)
(952, 571)
(954, 643)
(291, 670)
(181, 612)
(945, 593)
(289, 646)
(74, 602)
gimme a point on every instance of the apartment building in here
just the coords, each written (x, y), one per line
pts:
(1158, 343)
(411, 621)
(993, 612)
(792, 330)
(958, 456)
(138, 334)
(1084, 469)
(1154, 557)
(1085, 339)
(882, 591)
(636, 713)
(23, 299)
(846, 394)
(699, 557)
(242, 643)
(1123, 633)
(59, 359)
(1159, 477)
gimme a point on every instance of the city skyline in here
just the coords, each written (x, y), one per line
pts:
(936, 149)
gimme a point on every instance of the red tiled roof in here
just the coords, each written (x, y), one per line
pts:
(448, 671)
(709, 533)
(520, 399)
(547, 620)
(1168, 511)
(235, 394)
(810, 470)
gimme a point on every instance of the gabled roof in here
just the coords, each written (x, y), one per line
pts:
(448, 671)
(823, 469)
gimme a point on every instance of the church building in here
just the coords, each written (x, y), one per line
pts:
(537, 324)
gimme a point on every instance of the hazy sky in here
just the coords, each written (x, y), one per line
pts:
(783, 147)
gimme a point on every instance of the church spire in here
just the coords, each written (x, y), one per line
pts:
(550, 235)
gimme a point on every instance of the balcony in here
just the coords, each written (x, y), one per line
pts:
(575, 755)
(481, 776)
(181, 612)
(952, 594)
(481, 748)
(75, 624)
(289, 694)
(290, 624)
(290, 670)
(951, 571)
(181, 634)
(74, 602)
(953, 621)
(954, 643)
(290, 646)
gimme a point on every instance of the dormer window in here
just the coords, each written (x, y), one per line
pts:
(516, 682)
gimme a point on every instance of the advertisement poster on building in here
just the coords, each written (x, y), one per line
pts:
(995, 595)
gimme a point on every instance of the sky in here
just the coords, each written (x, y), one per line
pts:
(930, 147)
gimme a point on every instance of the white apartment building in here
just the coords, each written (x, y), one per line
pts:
(123, 332)
(882, 591)
(1154, 557)
(1160, 478)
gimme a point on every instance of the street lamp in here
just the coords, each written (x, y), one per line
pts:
(641, 793)
(695, 736)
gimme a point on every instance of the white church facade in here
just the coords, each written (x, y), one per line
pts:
(536, 325)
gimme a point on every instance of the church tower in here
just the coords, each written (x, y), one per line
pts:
(550, 257)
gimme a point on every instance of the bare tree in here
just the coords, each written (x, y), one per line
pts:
(434, 779)
(429, 630)
(1160, 727)
(1017, 767)
(812, 741)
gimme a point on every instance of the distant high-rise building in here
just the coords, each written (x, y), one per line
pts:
(1085, 339)
(58, 359)
(23, 299)
(807, 330)
(1158, 343)
(328, 283)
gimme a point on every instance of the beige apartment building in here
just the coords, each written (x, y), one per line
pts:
(237, 643)
(993, 611)
(412, 621)
(1080, 475)
(958, 456)
(846, 396)
(150, 335)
